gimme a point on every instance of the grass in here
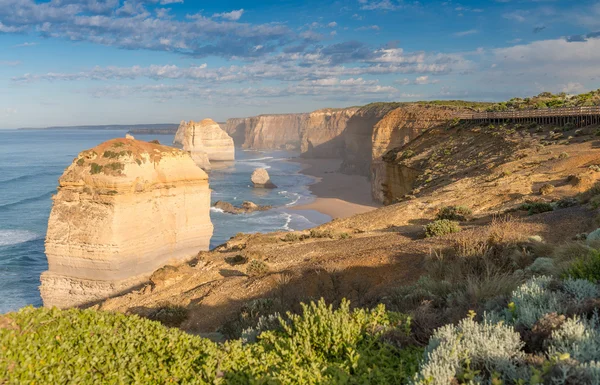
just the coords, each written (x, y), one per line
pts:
(455, 213)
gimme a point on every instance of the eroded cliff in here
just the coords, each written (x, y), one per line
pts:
(316, 134)
(123, 209)
(396, 129)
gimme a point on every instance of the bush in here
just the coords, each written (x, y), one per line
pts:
(291, 237)
(546, 189)
(579, 337)
(441, 227)
(236, 260)
(536, 207)
(455, 213)
(52, 346)
(257, 268)
(314, 233)
(470, 348)
(169, 315)
(586, 267)
(322, 345)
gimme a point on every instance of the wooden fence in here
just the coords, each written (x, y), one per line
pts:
(579, 116)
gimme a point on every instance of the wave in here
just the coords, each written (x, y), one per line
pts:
(288, 220)
(298, 196)
(216, 210)
(257, 159)
(28, 176)
(14, 237)
(27, 200)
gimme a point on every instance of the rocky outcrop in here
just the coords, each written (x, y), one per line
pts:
(260, 178)
(123, 209)
(205, 137)
(389, 177)
(246, 207)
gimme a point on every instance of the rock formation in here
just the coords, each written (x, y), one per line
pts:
(205, 141)
(129, 136)
(390, 178)
(260, 178)
(246, 207)
(316, 134)
(123, 209)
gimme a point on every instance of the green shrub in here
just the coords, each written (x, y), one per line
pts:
(257, 268)
(586, 267)
(51, 346)
(236, 260)
(536, 207)
(319, 346)
(169, 315)
(345, 236)
(291, 237)
(563, 155)
(314, 233)
(455, 213)
(441, 227)
(95, 168)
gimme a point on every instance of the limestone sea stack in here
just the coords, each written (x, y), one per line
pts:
(206, 136)
(122, 210)
(260, 178)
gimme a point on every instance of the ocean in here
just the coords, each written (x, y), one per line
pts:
(32, 161)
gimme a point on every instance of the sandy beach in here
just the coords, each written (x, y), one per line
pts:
(338, 195)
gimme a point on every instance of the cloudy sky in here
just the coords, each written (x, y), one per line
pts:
(72, 62)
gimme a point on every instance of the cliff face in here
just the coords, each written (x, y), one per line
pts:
(322, 132)
(357, 138)
(123, 209)
(208, 137)
(389, 178)
(317, 134)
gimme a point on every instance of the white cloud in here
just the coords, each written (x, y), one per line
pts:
(573, 88)
(6, 112)
(233, 15)
(166, 2)
(466, 33)
(420, 80)
(26, 44)
(381, 5)
(10, 63)
(333, 24)
(368, 28)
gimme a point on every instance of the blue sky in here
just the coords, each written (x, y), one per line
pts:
(73, 62)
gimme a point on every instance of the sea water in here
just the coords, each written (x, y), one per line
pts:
(32, 161)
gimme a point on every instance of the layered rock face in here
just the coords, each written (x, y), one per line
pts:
(316, 134)
(205, 137)
(358, 138)
(123, 209)
(397, 128)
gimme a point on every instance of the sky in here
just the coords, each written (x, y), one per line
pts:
(80, 62)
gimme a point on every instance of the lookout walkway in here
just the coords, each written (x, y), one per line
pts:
(580, 116)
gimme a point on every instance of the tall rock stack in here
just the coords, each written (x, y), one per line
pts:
(123, 209)
(206, 141)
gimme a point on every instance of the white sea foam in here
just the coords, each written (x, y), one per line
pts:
(295, 195)
(257, 159)
(216, 210)
(288, 219)
(14, 237)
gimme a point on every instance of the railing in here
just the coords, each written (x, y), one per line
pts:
(540, 113)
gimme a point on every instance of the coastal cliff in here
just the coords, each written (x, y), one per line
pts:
(208, 137)
(316, 134)
(123, 209)
(390, 178)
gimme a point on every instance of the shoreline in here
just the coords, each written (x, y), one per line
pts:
(336, 195)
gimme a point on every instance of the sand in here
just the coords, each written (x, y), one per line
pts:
(338, 195)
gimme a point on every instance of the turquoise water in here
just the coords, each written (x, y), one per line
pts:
(32, 161)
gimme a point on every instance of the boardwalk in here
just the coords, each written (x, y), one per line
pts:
(579, 116)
